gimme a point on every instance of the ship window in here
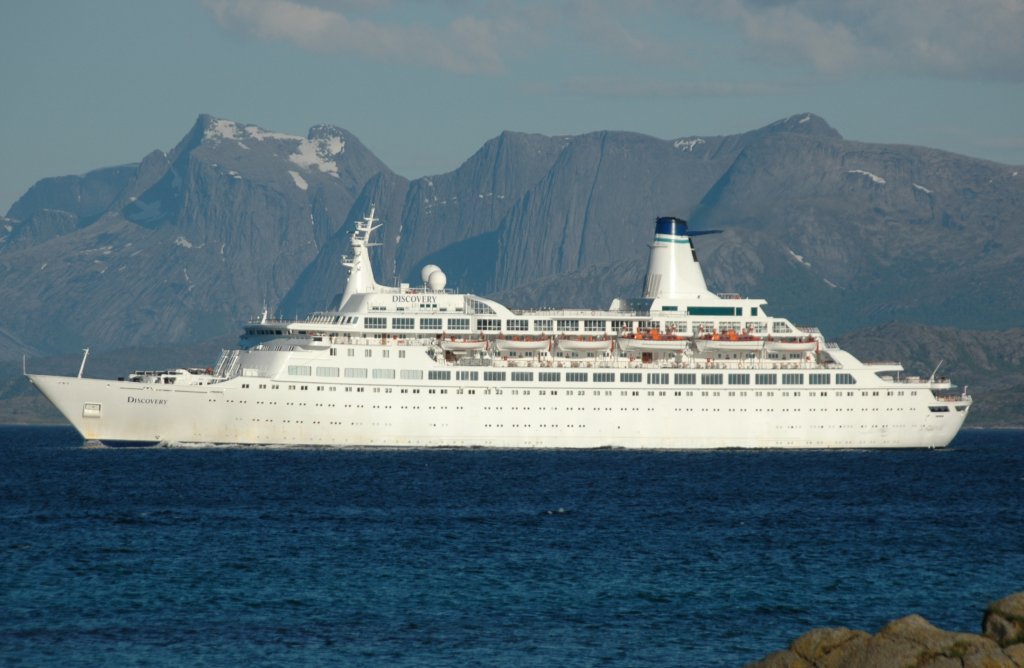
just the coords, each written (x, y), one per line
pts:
(604, 377)
(685, 379)
(711, 310)
(299, 370)
(430, 323)
(383, 373)
(488, 324)
(792, 379)
(439, 375)
(630, 377)
(351, 372)
(402, 323)
(494, 375)
(328, 371)
(568, 325)
(458, 323)
(845, 379)
(411, 374)
(780, 327)
(657, 379)
(711, 379)
(517, 325)
(677, 326)
(622, 325)
(669, 308)
(543, 325)
(476, 306)
(92, 410)
(726, 326)
(467, 375)
(351, 352)
(939, 409)
(376, 323)
(593, 325)
(522, 375)
(576, 377)
(818, 379)
(756, 327)
(739, 379)
(765, 379)
(549, 376)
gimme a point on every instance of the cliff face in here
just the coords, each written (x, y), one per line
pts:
(912, 641)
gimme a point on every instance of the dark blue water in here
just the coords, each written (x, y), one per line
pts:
(265, 557)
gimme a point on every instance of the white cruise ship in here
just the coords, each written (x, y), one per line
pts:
(678, 368)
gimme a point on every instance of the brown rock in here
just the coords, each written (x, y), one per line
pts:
(1004, 620)
(913, 641)
(820, 643)
(1016, 654)
(786, 658)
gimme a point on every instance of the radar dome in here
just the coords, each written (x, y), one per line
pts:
(426, 271)
(437, 280)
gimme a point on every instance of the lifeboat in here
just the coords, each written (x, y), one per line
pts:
(584, 345)
(652, 341)
(804, 345)
(522, 344)
(729, 342)
(454, 345)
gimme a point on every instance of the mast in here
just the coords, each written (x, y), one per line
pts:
(360, 271)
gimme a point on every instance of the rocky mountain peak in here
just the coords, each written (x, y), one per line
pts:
(806, 123)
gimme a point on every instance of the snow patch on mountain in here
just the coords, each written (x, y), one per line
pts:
(319, 154)
(874, 177)
(922, 189)
(300, 182)
(688, 144)
(799, 258)
(220, 129)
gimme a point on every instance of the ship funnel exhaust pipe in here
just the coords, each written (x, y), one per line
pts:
(673, 271)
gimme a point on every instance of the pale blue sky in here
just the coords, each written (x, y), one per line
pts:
(424, 83)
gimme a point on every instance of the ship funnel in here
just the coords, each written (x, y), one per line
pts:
(673, 271)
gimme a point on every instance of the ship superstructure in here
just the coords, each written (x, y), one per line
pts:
(678, 367)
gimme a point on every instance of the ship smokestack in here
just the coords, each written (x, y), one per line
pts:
(673, 271)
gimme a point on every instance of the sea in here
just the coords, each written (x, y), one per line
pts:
(260, 556)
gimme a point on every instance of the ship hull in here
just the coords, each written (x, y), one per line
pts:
(491, 415)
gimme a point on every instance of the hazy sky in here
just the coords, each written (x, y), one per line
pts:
(88, 84)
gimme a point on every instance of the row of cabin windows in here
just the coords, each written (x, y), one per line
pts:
(652, 378)
(570, 325)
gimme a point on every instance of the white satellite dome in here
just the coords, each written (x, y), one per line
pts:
(426, 271)
(437, 280)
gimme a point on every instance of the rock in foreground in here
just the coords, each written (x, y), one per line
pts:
(912, 641)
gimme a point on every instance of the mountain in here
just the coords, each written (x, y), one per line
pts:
(178, 247)
(833, 232)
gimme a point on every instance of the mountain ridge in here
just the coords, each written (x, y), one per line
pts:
(182, 245)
